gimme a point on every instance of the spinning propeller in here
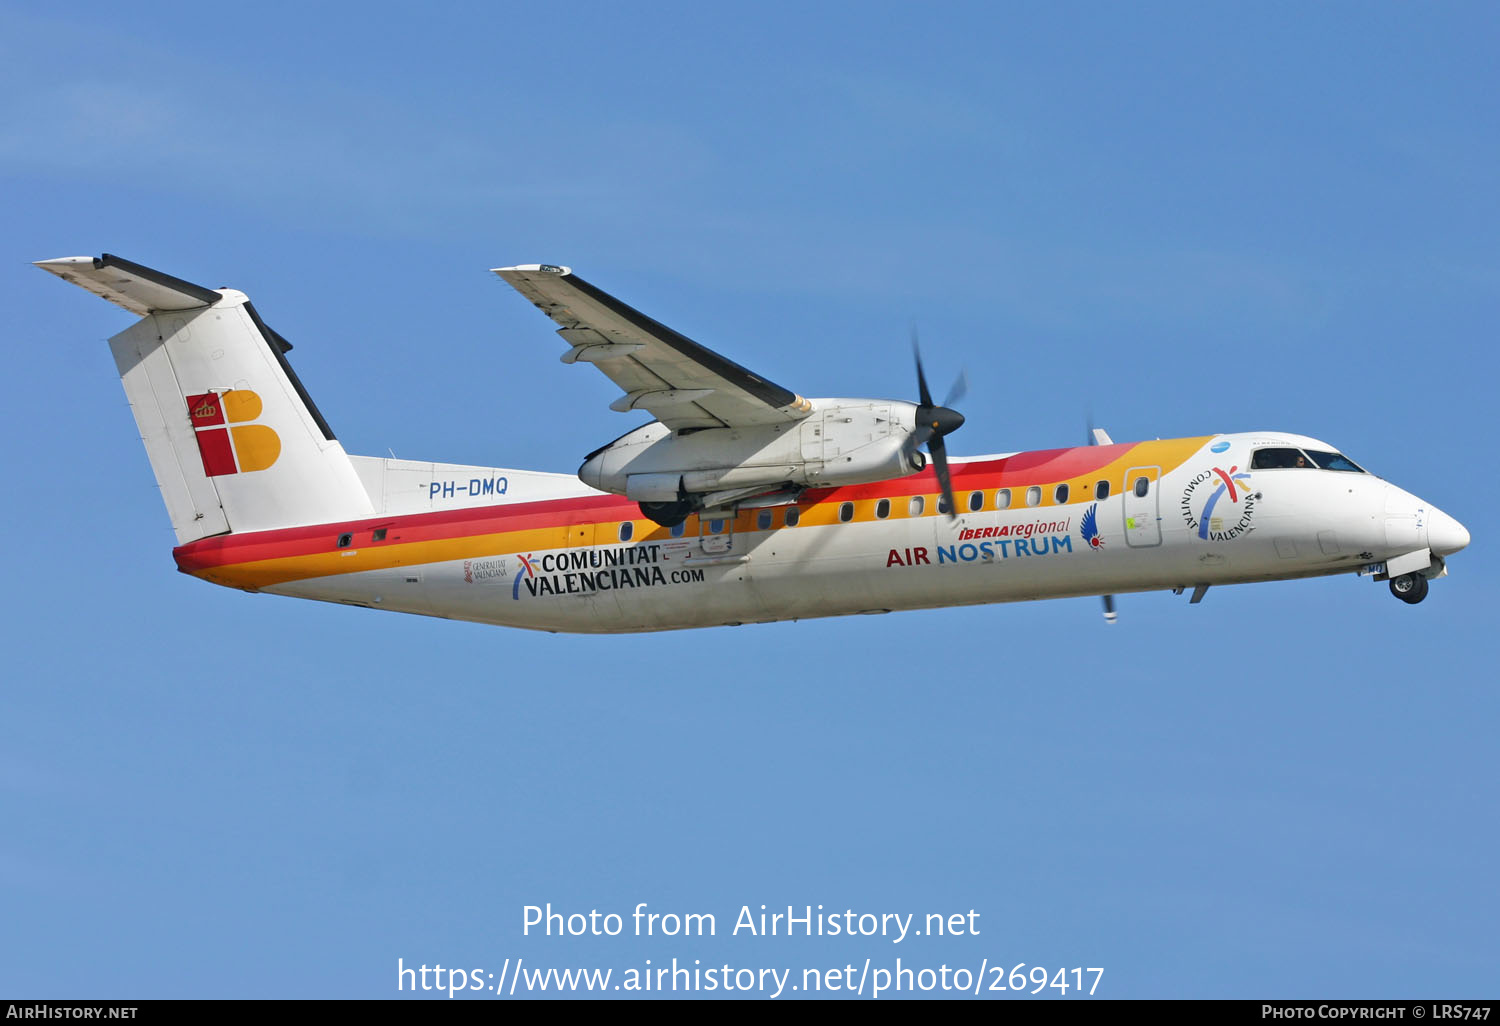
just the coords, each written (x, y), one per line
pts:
(934, 422)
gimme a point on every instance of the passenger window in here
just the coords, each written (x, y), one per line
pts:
(882, 509)
(716, 527)
(627, 531)
(1279, 459)
(379, 534)
(678, 529)
(976, 501)
(846, 512)
(943, 505)
(1101, 490)
(1142, 486)
(346, 540)
(1002, 499)
(1061, 495)
(916, 505)
(793, 514)
(763, 520)
(1334, 461)
(1034, 495)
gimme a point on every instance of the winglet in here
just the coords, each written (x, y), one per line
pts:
(534, 269)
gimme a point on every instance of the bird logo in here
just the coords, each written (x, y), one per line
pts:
(1090, 527)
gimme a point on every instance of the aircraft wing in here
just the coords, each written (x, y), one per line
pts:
(676, 380)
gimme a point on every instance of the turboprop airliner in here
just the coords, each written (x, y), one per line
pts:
(739, 502)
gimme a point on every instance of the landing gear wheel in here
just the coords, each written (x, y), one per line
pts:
(667, 514)
(1410, 588)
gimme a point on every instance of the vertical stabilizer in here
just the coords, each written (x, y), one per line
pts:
(234, 440)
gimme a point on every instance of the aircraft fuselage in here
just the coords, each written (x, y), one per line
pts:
(548, 553)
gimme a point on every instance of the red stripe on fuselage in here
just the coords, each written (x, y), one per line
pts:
(1022, 469)
(230, 549)
(1044, 466)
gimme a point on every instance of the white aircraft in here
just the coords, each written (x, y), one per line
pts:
(739, 502)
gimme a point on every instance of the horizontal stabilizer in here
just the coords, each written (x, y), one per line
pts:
(138, 289)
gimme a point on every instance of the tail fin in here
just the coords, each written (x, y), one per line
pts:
(234, 440)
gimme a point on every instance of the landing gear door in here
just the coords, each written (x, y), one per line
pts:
(716, 533)
(1143, 506)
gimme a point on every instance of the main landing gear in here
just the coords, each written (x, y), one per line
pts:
(667, 514)
(1410, 587)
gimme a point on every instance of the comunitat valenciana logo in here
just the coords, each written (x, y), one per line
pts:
(1218, 504)
(228, 443)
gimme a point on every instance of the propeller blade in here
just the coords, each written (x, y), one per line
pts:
(1098, 436)
(939, 452)
(922, 390)
(959, 390)
(1109, 610)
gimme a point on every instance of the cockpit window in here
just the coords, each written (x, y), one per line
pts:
(1334, 461)
(1279, 459)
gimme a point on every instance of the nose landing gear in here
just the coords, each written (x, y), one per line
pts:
(1410, 587)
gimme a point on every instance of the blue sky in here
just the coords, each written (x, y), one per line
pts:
(1183, 218)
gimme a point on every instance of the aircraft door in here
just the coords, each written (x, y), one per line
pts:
(1143, 506)
(596, 605)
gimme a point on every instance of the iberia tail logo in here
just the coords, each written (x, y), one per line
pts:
(226, 442)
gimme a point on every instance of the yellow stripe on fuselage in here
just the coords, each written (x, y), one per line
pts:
(1168, 454)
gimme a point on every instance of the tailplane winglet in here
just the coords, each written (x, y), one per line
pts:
(141, 290)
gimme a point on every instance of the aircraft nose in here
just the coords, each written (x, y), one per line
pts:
(1444, 534)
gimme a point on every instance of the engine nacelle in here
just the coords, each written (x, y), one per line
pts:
(843, 441)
